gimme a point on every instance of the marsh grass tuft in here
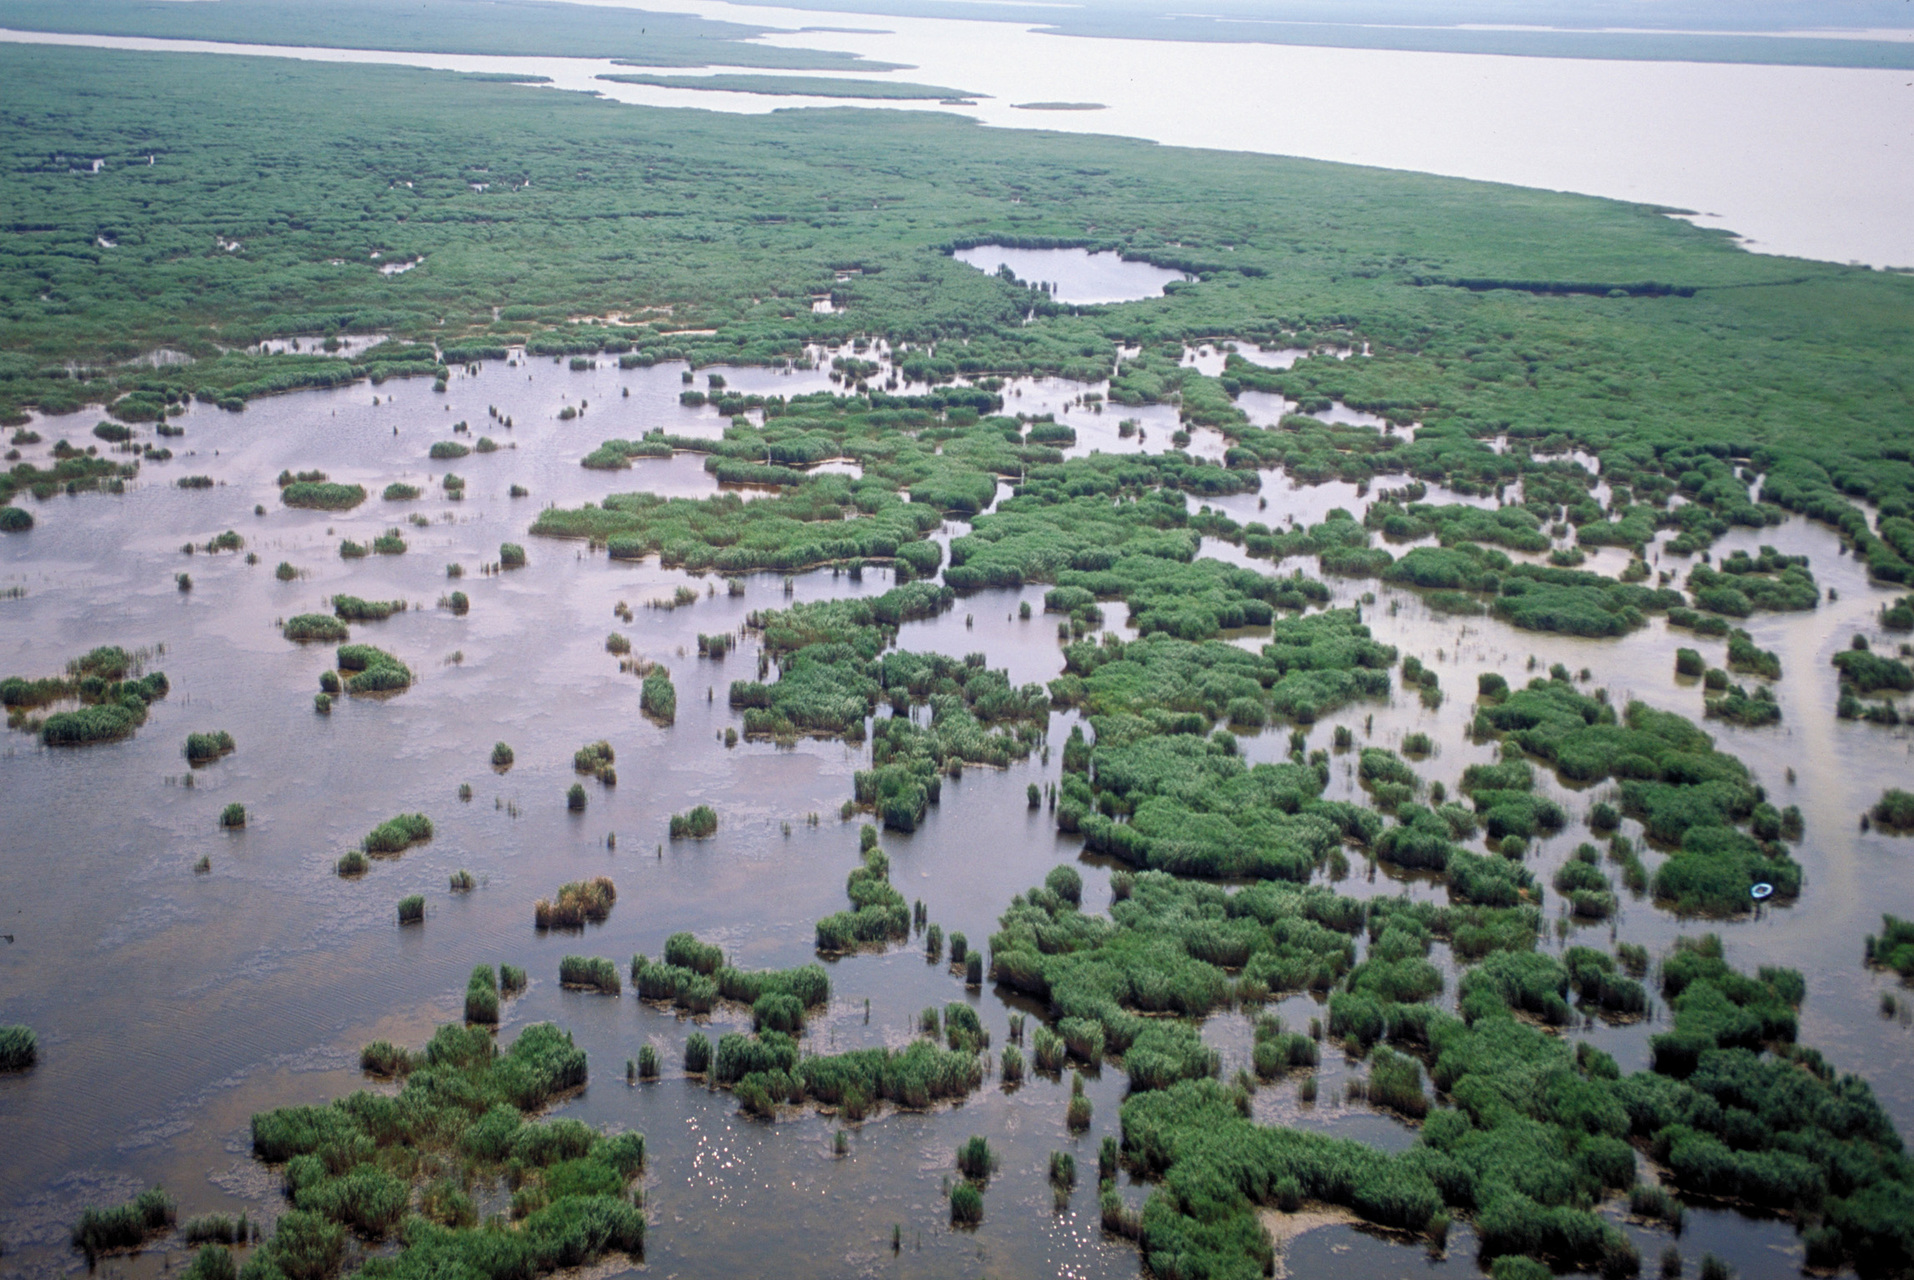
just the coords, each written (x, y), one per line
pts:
(124, 1226)
(699, 823)
(412, 910)
(398, 834)
(19, 1048)
(204, 748)
(590, 972)
(578, 902)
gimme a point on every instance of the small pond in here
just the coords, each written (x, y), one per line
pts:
(1075, 275)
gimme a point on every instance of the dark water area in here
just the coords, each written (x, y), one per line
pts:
(171, 1005)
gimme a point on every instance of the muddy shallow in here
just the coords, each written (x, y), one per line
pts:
(171, 1005)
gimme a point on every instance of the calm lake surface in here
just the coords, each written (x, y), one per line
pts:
(172, 1005)
(1809, 162)
(1074, 275)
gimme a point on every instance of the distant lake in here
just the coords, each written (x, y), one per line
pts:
(1075, 275)
(1813, 162)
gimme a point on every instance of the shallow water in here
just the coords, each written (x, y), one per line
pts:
(1074, 275)
(172, 1005)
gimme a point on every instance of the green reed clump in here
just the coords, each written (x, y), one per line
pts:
(778, 1011)
(412, 909)
(575, 798)
(462, 881)
(398, 834)
(1395, 1082)
(963, 1030)
(658, 697)
(966, 1205)
(353, 609)
(321, 627)
(1275, 1051)
(697, 1053)
(594, 972)
(202, 748)
(1894, 811)
(19, 1048)
(975, 1160)
(699, 823)
(578, 902)
(596, 759)
(400, 492)
(124, 1226)
(1011, 1066)
(502, 756)
(216, 1228)
(383, 1058)
(481, 996)
(233, 816)
(647, 1062)
(323, 496)
(374, 670)
(1894, 948)
(511, 556)
(353, 862)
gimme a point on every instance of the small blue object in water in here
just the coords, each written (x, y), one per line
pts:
(1761, 891)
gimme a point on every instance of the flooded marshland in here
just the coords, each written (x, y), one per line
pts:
(173, 1002)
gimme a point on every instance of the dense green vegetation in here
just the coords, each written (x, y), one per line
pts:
(374, 670)
(203, 748)
(878, 914)
(1690, 798)
(398, 834)
(353, 609)
(1539, 1132)
(323, 496)
(1894, 949)
(696, 824)
(322, 627)
(658, 697)
(460, 1116)
(1894, 811)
